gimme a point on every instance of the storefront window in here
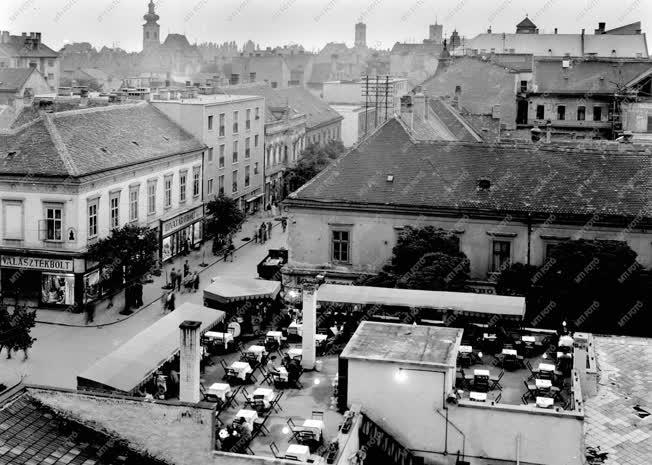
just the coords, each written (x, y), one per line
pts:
(57, 289)
(197, 233)
(92, 289)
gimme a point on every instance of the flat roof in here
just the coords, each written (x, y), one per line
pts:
(459, 302)
(209, 99)
(129, 365)
(233, 288)
(412, 344)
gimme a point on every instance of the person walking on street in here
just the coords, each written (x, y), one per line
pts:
(164, 302)
(255, 236)
(138, 291)
(173, 277)
(90, 312)
(284, 224)
(231, 248)
(186, 269)
(196, 281)
(170, 301)
(269, 230)
(263, 233)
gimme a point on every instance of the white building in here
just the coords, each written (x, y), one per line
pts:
(27, 51)
(233, 128)
(381, 89)
(68, 178)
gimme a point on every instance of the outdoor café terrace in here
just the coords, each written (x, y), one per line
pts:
(516, 367)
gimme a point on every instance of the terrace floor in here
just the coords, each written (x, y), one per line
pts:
(512, 384)
(298, 404)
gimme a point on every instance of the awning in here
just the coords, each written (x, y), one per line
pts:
(230, 289)
(463, 303)
(136, 360)
(257, 196)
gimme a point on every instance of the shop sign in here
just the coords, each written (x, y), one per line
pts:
(36, 263)
(182, 220)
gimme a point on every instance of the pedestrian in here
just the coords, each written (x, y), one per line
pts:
(269, 229)
(255, 236)
(268, 209)
(139, 294)
(196, 281)
(164, 302)
(284, 223)
(90, 312)
(186, 269)
(231, 248)
(263, 233)
(173, 277)
(171, 299)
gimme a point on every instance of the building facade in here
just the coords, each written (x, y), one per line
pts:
(17, 84)
(233, 128)
(72, 177)
(345, 222)
(27, 51)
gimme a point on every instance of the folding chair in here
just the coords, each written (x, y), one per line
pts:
(275, 450)
(531, 389)
(230, 398)
(293, 429)
(498, 397)
(208, 397)
(274, 403)
(495, 381)
(533, 372)
(226, 368)
(245, 394)
(318, 415)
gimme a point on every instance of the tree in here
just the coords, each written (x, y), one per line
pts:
(313, 159)
(128, 253)
(426, 258)
(15, 330)
(516, 280)
(593, 285)
(224, 217)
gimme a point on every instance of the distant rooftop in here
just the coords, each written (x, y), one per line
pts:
(207, 99)
(418, 345)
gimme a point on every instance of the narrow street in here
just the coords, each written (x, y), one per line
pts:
(61, 352)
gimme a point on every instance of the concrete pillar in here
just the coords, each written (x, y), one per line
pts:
(308, 356)
(190, 354)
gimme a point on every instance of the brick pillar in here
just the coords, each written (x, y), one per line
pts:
(308, 356)
(190, 354)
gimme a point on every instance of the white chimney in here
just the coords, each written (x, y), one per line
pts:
(419, 105)
(189, 357)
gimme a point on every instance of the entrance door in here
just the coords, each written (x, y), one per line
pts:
(521, 113)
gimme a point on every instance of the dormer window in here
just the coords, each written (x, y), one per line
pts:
(390, 178)
(484, 184)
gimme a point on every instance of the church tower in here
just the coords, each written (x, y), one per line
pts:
(151, 29)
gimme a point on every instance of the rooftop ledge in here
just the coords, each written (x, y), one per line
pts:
(525, 409)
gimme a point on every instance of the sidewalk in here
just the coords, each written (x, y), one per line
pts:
(152, 291)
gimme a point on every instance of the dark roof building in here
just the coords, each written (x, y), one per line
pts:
(442, 177)
(526, 27)
(25, 46)
(83, 142)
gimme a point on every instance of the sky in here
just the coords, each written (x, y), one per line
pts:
(311, 23)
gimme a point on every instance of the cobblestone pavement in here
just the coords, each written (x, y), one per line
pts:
(625, 382)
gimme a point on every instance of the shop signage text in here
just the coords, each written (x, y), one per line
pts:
(182, 220)
(34, 263)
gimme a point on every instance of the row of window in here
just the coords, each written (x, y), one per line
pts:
(234, 185)
(561, 113)
(236, 121)
(236, 146)
(134, 199)
(325, 136)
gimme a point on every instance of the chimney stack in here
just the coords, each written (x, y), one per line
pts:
(601, 28)
(555, 30)
(419, 102)
(189, 357)
(458, 95)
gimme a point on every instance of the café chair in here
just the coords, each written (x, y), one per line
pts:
(533, 373)
(274, 403)
(275, 451)
(208, 397)
(495, 381)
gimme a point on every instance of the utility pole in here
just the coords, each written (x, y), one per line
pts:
(366, 104)
(386, 94)
(376, 103)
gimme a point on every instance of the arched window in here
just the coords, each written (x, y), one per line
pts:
(146, 34)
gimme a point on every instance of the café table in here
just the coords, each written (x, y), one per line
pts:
(547, 367)
(295, 328)
(283, 373)
(297, 452)
(295, 352)
(320, 338)
(530, 339)
(224, 338)
(316, 426)
(258, 351)
(544, 402)
(243, 368)
(566, 341)
(489, 336)
(543, 383)
(220, 390)
(466, 349)
(478, 396)
(249, 416)
(481, 372)
(561, 355)
(275, 335)
(266, 394)
(510, 352)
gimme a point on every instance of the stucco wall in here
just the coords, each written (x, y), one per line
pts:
(373, 237)
(635, 116)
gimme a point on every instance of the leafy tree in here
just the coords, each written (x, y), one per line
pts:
(593, 285)
(425, 258)
(314, 158)
(517, 280)
(92, 84)
(224, 218)
(15, 330)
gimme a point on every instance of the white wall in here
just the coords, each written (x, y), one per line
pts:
(373, 237)
(350, 130)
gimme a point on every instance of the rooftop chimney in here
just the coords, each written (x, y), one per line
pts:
(190, 354)
(419, 108)
(555, 30)
(456, 99)
(601, 28)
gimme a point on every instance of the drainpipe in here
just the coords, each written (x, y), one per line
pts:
(529, 236)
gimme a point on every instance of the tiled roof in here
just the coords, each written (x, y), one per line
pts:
(16, 47)
(595, 76)
(626, 46)
(299, 99)
(12, 79)
(612, 421)
(176, 41)
(33, 434)
(273, 99)
(80, 142)
(527, 22)
(429, 48)
(443, 175)
(453, 120)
